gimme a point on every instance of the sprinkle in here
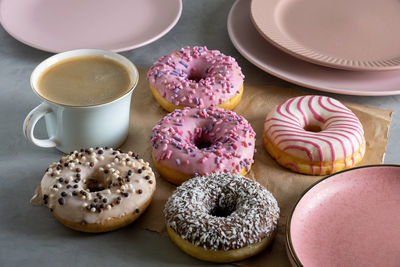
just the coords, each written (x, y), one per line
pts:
(184, 63)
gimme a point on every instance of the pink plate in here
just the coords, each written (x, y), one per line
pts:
(61, 25)
(267, 57)
(351, 218)
(344, 34)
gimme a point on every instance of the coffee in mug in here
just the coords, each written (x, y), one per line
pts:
(84, 80)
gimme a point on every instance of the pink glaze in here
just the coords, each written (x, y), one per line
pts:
(341, 131)
(230, 138)
(196, 77)
(350, 219)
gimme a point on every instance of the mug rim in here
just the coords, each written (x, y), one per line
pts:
(86, 52)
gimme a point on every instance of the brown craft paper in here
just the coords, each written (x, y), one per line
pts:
(285, 185)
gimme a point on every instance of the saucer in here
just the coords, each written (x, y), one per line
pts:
(57, 26)
(267, 57)
(350, 218)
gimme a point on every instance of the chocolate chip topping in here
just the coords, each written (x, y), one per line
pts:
(61, 201)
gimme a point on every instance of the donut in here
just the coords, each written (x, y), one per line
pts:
(221, 217)
(196, 77)
(201, 141)
(314, 135)
(96, 190)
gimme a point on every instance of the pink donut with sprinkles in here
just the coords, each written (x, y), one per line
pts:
(196, 141)
(196, 77)
(314, 135)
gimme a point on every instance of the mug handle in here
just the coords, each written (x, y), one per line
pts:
(29, 124)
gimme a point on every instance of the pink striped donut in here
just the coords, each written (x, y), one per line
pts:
(314, 135)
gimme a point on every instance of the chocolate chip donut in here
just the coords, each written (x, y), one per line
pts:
(221, 217)
(96, 190)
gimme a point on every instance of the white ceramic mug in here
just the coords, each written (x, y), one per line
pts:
(75, 127)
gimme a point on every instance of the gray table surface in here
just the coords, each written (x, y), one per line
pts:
(30, 236)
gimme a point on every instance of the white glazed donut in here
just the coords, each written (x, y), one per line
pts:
(314, 135)
(96, 190)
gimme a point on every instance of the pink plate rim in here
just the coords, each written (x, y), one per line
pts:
(294, 259)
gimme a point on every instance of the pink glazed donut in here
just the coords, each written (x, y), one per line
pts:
(195, 141)
(196, 77)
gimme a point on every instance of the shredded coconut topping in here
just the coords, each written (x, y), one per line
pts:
(222, 211)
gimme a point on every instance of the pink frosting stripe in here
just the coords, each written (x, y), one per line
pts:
(292, 164)
(302, 148)
(324, 133)
(347, 112)
(332, 119)
(320, 139)
(349, 127)
(342, 107)
(315, 136)
(315, 114)
(300, 109)
(270, 127)
(291, 117)
(318, 147)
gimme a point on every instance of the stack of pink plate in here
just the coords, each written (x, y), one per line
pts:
(342, 46)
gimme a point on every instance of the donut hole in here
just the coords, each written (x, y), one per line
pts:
(197, 73)
(96, 183)
(202, 140)
(195, 76)
(202, 143)
(313, 128)
(221, 212)
(224, 206)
